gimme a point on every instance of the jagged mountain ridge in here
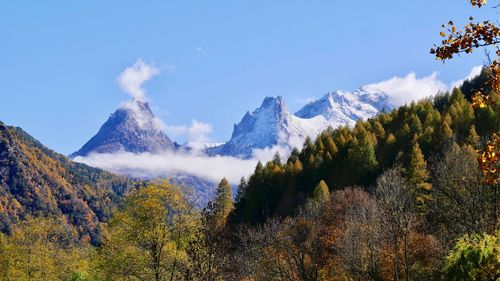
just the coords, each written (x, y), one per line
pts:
(133, 128)
(341, 107)
(272, 124)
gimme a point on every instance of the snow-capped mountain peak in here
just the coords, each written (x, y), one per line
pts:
(342, 107)
(269, 125)
(133, 128)
(273, 125)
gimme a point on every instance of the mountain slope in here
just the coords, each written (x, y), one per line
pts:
(341, 108)
(271, 124)
(133, 128)
(36, 181)
(355, 156)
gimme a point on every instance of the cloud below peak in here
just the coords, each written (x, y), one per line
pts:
(401, 90)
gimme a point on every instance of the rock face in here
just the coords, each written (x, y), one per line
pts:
(341, 108)
(132, 128)
(272, 124)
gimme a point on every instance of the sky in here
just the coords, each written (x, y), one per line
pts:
(209, 61)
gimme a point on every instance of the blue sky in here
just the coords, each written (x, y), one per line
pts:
(60, 60)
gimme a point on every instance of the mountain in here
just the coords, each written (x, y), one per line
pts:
(36, 181)
(132, 128)
(356, 155)
(341, 108)
(269, 125)
(272, 124)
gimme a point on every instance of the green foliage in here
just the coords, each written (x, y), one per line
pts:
(147, 238)
(418, 177)
(34, 180)
(474, 257)
(42, 249)
(223, 204)
(321, 192)
(346, 156)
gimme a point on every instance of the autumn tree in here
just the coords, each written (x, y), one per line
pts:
(42, 249)
(460, 202)
(223, 204)
(474, 257)
(147, 238)
(321, 192)
(473, 36)
(398, 207)
(352, 221)
(207, 252)
(418, 177)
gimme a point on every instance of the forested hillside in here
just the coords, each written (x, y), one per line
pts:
(413, 137)
(36, 181)
(398, 197)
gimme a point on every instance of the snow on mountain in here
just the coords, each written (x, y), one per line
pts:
(131, 128)
(269, 125)
(273, 125)
(341, 108)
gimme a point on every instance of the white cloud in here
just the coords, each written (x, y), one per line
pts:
(304, 101)
(475, 71)
(169, 163)
(198, 131)
(402, 90)
(132, 78)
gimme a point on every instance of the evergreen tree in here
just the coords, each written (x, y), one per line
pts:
(416, 125)
(259, 169)
(473, 137)
(418, 175)
(321, 192)
(241, 189)
(331, 147)
(297, 166)
(390, 139)
(379, 129)
(361, 159)
(277, 159)
(445, 131)
(223, 204)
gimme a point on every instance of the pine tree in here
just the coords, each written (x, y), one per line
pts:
(379, 129)
(331, 147)
(328, 156)
(390, 139)
(277, 159)
(297, 166)
(416, 125)
(445, 130)
(321, 192)
(223, 204)
(320, 147)
(473, 137)
(341, 140)
(241, 189)
(259, 168)
(418, 176)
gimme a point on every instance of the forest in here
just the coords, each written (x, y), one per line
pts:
(410, 194)
(397, 197)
